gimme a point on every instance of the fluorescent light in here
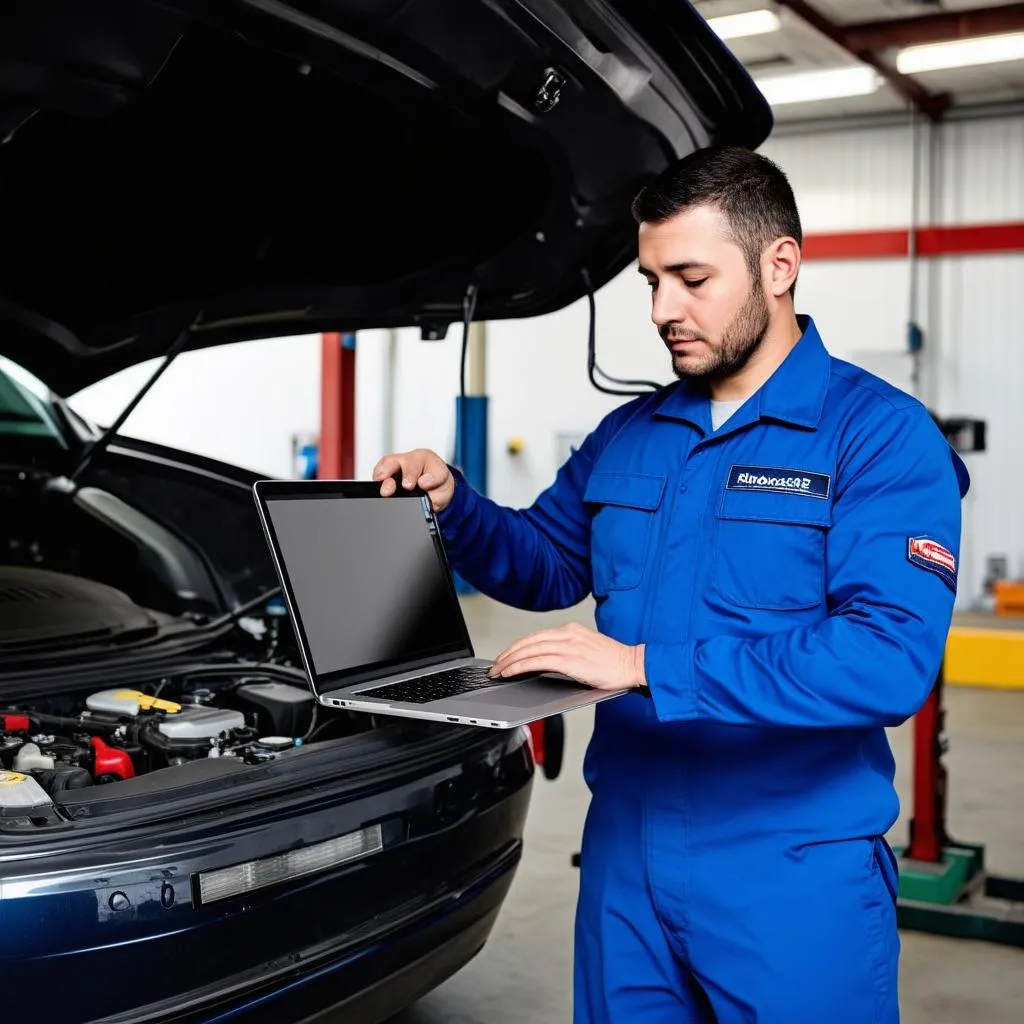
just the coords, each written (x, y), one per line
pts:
(306, 860)
(807, 86)
(961, 53)
(751, 23)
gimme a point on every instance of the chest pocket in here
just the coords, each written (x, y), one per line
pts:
(770, 550)
(622, 507)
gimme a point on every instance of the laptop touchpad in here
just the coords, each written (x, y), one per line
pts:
(525, 695)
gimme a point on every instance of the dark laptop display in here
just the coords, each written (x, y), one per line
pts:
(369, 581)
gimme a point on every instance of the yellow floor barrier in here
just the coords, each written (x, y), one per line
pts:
(986, 656)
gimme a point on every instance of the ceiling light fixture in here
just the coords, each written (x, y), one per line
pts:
(810, 86)
(961, 53)
(750, 23)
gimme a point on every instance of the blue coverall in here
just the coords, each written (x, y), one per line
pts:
(793, 577)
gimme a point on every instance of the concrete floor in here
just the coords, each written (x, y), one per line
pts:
(525, 973)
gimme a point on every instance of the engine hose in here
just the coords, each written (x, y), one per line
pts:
(39, 719)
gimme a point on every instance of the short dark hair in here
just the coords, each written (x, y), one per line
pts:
(752, 192)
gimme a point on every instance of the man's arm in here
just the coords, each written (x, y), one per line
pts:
(874, 660)
(536, 558)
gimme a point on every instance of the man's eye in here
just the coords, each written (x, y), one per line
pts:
(694, 284)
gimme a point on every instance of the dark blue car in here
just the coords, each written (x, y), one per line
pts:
(184, 834)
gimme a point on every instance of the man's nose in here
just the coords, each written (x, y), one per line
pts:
(669, 306)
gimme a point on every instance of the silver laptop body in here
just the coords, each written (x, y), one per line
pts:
(376, 615)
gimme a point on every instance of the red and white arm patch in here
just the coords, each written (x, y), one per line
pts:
(933, 556)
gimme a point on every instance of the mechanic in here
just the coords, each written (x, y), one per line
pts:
(772, 544)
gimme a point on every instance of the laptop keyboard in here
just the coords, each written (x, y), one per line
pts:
(449, 683)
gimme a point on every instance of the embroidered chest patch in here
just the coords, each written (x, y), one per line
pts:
(931, 555)
(779, 481)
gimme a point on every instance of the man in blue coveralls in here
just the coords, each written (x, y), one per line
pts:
(772, 545)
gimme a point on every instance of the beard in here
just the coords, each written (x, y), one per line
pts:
(739, 341)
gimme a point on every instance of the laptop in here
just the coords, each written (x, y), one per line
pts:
(376, 615)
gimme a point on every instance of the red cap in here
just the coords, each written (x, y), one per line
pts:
(110, 761)
(16, 723)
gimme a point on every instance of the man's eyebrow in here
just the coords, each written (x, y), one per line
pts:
(677, 268)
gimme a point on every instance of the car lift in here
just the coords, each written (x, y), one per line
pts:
(944, 887)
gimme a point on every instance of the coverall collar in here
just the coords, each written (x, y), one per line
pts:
(794, 394)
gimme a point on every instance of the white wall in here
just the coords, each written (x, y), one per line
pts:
(246, 409)
(243, 403)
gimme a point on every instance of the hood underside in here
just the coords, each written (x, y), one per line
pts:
(257, 168)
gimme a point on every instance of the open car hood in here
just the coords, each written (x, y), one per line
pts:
(261, 168)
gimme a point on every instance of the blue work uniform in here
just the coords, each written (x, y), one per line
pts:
(792, 576)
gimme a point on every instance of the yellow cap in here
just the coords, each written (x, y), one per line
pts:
(149, 703)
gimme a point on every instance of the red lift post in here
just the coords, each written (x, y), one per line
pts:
(928, 824)
(944, 887)
(337, 455)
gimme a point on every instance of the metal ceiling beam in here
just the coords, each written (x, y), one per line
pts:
(932, 105)
(934, 28)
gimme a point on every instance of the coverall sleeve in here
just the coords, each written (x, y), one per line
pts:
(537, 558)
(874, 659)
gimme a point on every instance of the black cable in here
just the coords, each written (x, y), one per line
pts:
(468, 312)
(592, 367)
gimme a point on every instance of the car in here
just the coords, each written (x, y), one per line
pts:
(184, 834)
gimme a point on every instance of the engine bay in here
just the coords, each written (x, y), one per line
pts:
(56, 747)
(96, 575)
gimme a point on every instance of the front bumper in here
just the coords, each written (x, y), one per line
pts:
(362, 979)
(123, 924)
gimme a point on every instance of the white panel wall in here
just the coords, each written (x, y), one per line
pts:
(847, 181)
(244, 403)
(982, 171)
(239, 403)
(982, 374)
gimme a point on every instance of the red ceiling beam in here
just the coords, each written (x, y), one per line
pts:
(932, 105)
(933, 28)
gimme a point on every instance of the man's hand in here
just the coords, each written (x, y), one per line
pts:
(575, 651)
(419, 468)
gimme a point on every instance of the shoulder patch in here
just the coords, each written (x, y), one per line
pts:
(931, 555)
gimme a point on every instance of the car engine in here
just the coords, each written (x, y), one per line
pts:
(115, 734)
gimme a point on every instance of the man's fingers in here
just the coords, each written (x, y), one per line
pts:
(549, 662)
(541, 635)
(512, 662)
(409, 467)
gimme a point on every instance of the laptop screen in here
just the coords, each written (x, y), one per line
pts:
(368, 580)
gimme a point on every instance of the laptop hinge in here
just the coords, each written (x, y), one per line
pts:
(323, 685)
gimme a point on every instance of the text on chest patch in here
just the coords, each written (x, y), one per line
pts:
(779, 481)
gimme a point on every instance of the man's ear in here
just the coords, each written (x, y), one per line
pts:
(781, 265)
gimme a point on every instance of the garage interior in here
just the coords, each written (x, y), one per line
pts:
(900, 124)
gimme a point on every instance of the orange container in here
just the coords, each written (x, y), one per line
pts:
(1009, 596)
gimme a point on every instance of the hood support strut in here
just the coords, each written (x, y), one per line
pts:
(99, 445)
